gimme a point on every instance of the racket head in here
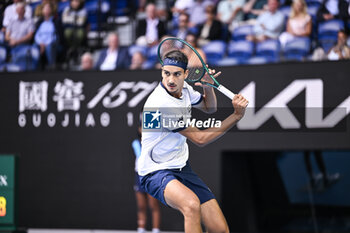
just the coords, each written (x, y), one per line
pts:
(196, 66)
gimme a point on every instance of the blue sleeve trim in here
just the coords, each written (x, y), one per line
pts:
(178, 130)
(200, 100)
(136, 145)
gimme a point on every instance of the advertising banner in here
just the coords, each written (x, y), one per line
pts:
(73, 132)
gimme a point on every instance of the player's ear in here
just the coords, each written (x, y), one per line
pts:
(186, 73)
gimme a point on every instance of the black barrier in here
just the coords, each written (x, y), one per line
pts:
(73, 132)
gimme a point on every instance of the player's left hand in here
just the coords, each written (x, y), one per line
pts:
(207, 78)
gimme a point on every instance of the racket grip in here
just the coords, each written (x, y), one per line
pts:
(226, 92)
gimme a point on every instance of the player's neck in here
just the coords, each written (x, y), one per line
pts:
(176, 95)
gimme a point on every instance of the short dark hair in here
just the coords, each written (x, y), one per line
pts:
(343, 31)
(176, 55)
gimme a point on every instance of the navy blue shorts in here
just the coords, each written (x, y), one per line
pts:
(137, 185)
(155, 183)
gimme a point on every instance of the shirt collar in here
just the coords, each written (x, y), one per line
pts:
(161, 83)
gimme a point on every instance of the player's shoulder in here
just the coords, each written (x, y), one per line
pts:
(187, 87)
(158, 98)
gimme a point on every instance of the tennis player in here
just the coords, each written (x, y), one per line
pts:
(163, 166)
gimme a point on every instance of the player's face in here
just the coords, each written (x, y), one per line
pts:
(173, 79)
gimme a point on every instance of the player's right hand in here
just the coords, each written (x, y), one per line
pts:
(239, 104)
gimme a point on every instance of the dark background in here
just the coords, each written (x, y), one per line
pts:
(82, 177)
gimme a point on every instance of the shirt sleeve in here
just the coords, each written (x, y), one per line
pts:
(28, 13)
(275, 25)
(31, 27)
(37, 38)
(136, 145)
(195, 96)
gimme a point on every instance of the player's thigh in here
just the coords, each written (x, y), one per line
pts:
(213, 218)
(178, 196)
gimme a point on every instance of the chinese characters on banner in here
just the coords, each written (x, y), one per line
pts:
(69, 96)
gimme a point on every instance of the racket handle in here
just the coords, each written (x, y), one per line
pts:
(226, 92)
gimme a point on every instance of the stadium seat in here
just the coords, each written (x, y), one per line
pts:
(227, 61)
(136, 48)
(26, 57)
(285, 10)
(61, 6)
(95, 16)
(269, 49)
(2, 55)
(214, 51)
(2, 37)
(240, 50)
(313, 1)
(240, 33)
(152, 54)
(12, 68)
(312, 8)
(330, 27)
(148, 64)
(93, 5)
(297, 49)
(33, 5)
(123, 7)
(257, 61)
(225, 32)
(328, 33)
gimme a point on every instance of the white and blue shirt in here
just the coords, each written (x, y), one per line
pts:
(166, 148)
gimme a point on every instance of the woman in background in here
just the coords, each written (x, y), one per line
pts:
(47, 36)
(299, 23)
(211, 29)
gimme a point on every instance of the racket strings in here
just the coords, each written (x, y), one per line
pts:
(194, 66)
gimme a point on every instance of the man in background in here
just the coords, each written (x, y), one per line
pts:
(114, 57)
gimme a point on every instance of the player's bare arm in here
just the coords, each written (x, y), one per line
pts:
(204, 137)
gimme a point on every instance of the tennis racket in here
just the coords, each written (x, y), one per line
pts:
(196, 65)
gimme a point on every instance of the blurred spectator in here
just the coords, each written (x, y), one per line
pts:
(163, 7)
(341, 50)
(114, 57)
(39, 8)
(137, 61)
(253, 8)
(151, 29)
(197, 12)
(333, 9)
(299, 23)
(10, 13)
(74, 21)
(230, 12)
(87, 62)
(47, 36)
(182, 6)
(192, 40)
(318, 54)
(20, 30)
(183, 28)
(269, 24)
(211, 29)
